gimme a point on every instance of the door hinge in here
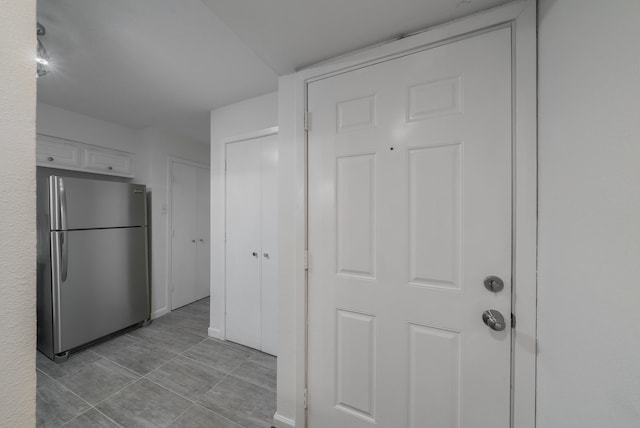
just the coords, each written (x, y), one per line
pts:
(513, 320)
(305, 400)
(307, 121)
(306, 260)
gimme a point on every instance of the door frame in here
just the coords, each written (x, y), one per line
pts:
(169, 256)
(520, 16)
(220, 287)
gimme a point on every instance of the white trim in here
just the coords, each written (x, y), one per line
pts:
(169, 242)
(251, 135)
(521, 17)
(160, 312)
(215, 333)
(282, 422)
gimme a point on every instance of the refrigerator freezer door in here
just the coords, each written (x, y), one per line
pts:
(106, 285)
(91, 204)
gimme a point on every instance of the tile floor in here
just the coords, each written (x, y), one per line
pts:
(169, 374)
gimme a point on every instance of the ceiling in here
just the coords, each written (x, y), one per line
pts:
(169, 63)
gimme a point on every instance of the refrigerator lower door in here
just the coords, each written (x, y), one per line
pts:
(100, 283)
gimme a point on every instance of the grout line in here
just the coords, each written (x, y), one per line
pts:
(180, 415)
(98, 410)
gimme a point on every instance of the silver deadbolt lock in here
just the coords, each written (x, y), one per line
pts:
(493, 319)
(493, 283)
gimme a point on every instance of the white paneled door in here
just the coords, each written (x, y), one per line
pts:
(251, 247)
(189, 233)
(409, 211)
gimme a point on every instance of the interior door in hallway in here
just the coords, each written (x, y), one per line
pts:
(409, 212)
(189, 233)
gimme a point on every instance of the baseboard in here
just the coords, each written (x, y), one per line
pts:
(282, 422)
(215, 333)
(159, 313)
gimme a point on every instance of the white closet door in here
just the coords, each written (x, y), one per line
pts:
(269, 222)
(243, 255)
(203, 225)
(183, 224)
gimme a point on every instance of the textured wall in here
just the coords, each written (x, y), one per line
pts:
(17, 213)
(589, 214)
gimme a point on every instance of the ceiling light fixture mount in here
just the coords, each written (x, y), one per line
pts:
(42, 57)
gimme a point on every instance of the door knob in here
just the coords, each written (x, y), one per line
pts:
(193, 240)
(493, 283)
(266, 255)
(493, 319)
(254, 254)
(201, 240)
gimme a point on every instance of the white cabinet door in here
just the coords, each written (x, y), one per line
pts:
(54, 153)
(107, 162)
(184, 234)
(243, 246)
(409, 211)
(269, 226)
(203, 227)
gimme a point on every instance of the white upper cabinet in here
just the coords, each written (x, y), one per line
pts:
(58, 153)
(108, 162)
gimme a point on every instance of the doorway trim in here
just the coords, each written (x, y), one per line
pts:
(169, 256)
(520, 16)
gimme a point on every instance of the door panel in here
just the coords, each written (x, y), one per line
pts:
(183, 224)
(92, 204)
(243, 255)
(203, 227)
(102, 286)
(269, 244)
(409, 210)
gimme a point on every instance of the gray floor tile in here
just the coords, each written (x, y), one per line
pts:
(263, 359)
(216, 355)
(73, 364)
(187, 377)
(242, 402)
(144, 404)
(199, 417)
(175, 341)
(114, 346)
(55, 404)
(98, 380)
(256, 374)
(173, 383)
(91, 419)
(142, 332)
(143, 357)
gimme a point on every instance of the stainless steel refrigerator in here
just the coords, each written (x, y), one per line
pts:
(92, 261)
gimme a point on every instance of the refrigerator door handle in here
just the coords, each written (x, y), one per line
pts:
(63, 204)
(64, 256)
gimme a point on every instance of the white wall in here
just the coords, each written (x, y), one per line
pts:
(17, 214)
(151, 148)
(235, 120)
(589, 214)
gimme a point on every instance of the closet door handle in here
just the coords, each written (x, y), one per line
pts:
(254, 254)
(266, 255)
